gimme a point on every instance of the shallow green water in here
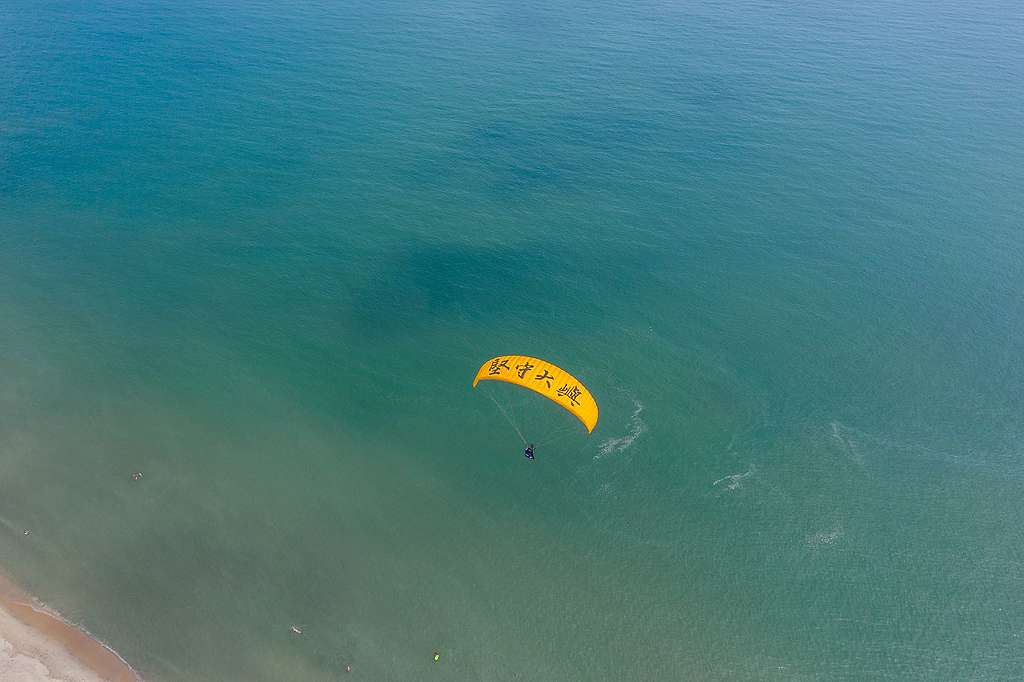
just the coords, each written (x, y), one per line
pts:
(258, 252)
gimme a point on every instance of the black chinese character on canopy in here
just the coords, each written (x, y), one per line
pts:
(522, 369)
(570, 393)
(545, 377)
(497, 365)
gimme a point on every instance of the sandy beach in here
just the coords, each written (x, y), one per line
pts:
(37, 645)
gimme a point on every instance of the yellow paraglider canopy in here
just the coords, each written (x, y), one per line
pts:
(549, 380)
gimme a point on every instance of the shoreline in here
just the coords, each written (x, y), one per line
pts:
(36, 643)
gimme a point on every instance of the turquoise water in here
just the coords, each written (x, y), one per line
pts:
(258, 250)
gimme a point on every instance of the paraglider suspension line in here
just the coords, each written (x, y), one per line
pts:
(503, 412)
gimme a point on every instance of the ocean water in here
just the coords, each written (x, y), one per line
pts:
(257, 251)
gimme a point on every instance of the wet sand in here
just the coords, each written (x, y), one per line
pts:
(37, 645)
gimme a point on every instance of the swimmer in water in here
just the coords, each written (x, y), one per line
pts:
(137, 476)
(528, 452)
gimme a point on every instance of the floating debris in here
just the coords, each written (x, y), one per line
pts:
(296, 629)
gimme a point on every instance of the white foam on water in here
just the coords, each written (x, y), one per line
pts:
(844, 436)
(732, 481)
(863, 447)
(826, 537)
(637, 427)
(5, 523)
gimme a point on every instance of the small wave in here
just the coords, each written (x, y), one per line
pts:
(4, 523)
(826, 537)
(636, 428)
(844, 436)
(862, 446)
(732, 481)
